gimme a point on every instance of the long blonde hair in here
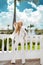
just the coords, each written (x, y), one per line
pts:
(18, 26)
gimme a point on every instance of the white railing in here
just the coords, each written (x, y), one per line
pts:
(22, 54)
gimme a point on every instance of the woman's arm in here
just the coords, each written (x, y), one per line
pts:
(25, 35)
(12, 35)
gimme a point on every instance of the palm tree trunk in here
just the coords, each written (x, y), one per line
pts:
(14, 19)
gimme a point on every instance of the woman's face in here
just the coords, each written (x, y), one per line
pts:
(20, 24)
(15, 25)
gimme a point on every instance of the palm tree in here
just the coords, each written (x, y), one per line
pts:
(8, 26)
(14, 19)
(36, 1)
(30, 26)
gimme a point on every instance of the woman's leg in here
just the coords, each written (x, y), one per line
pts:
(14, 52)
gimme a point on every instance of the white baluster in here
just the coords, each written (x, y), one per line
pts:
(13, 52)
(35, 43)
(26, 44)
(41, 50)
(3, 45)
(30, 43)
(23, 53)
(12, 44)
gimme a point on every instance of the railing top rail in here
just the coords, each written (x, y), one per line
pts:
(8, 36)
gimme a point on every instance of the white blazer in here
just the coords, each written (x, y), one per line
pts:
(19, 38)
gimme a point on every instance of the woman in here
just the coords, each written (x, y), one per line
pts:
(19, 35)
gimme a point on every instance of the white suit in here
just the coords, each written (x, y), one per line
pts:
(19, 38)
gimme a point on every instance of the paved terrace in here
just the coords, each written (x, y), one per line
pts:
(19, 62)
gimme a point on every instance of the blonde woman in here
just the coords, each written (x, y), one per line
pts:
(19, 35)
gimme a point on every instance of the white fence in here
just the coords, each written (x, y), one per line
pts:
(23, 53)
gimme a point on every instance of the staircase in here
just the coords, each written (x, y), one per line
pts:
(27, 62)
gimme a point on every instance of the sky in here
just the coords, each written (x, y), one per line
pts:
(27, 12)
(6, 14)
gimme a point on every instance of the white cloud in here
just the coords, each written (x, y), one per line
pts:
(30, 17)
(40, 7)
(32, 4)
(27, 16)
(7, 17)
(0, 25)
(17, 3)
(10, 2)
(11, 7)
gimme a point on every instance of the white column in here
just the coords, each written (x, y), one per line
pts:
(2, 44)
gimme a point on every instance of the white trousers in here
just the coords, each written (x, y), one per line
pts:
(14, 51)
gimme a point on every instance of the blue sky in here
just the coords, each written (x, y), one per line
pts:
(29, 9)
(41, 2)
(3, 5)
(24, 5)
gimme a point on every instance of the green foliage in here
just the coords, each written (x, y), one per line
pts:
(10, 44)
(28, 45)
(24, 46)
(38, 46)
(5, 44)
(33, 45)
(0, 45)
(19, 46)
